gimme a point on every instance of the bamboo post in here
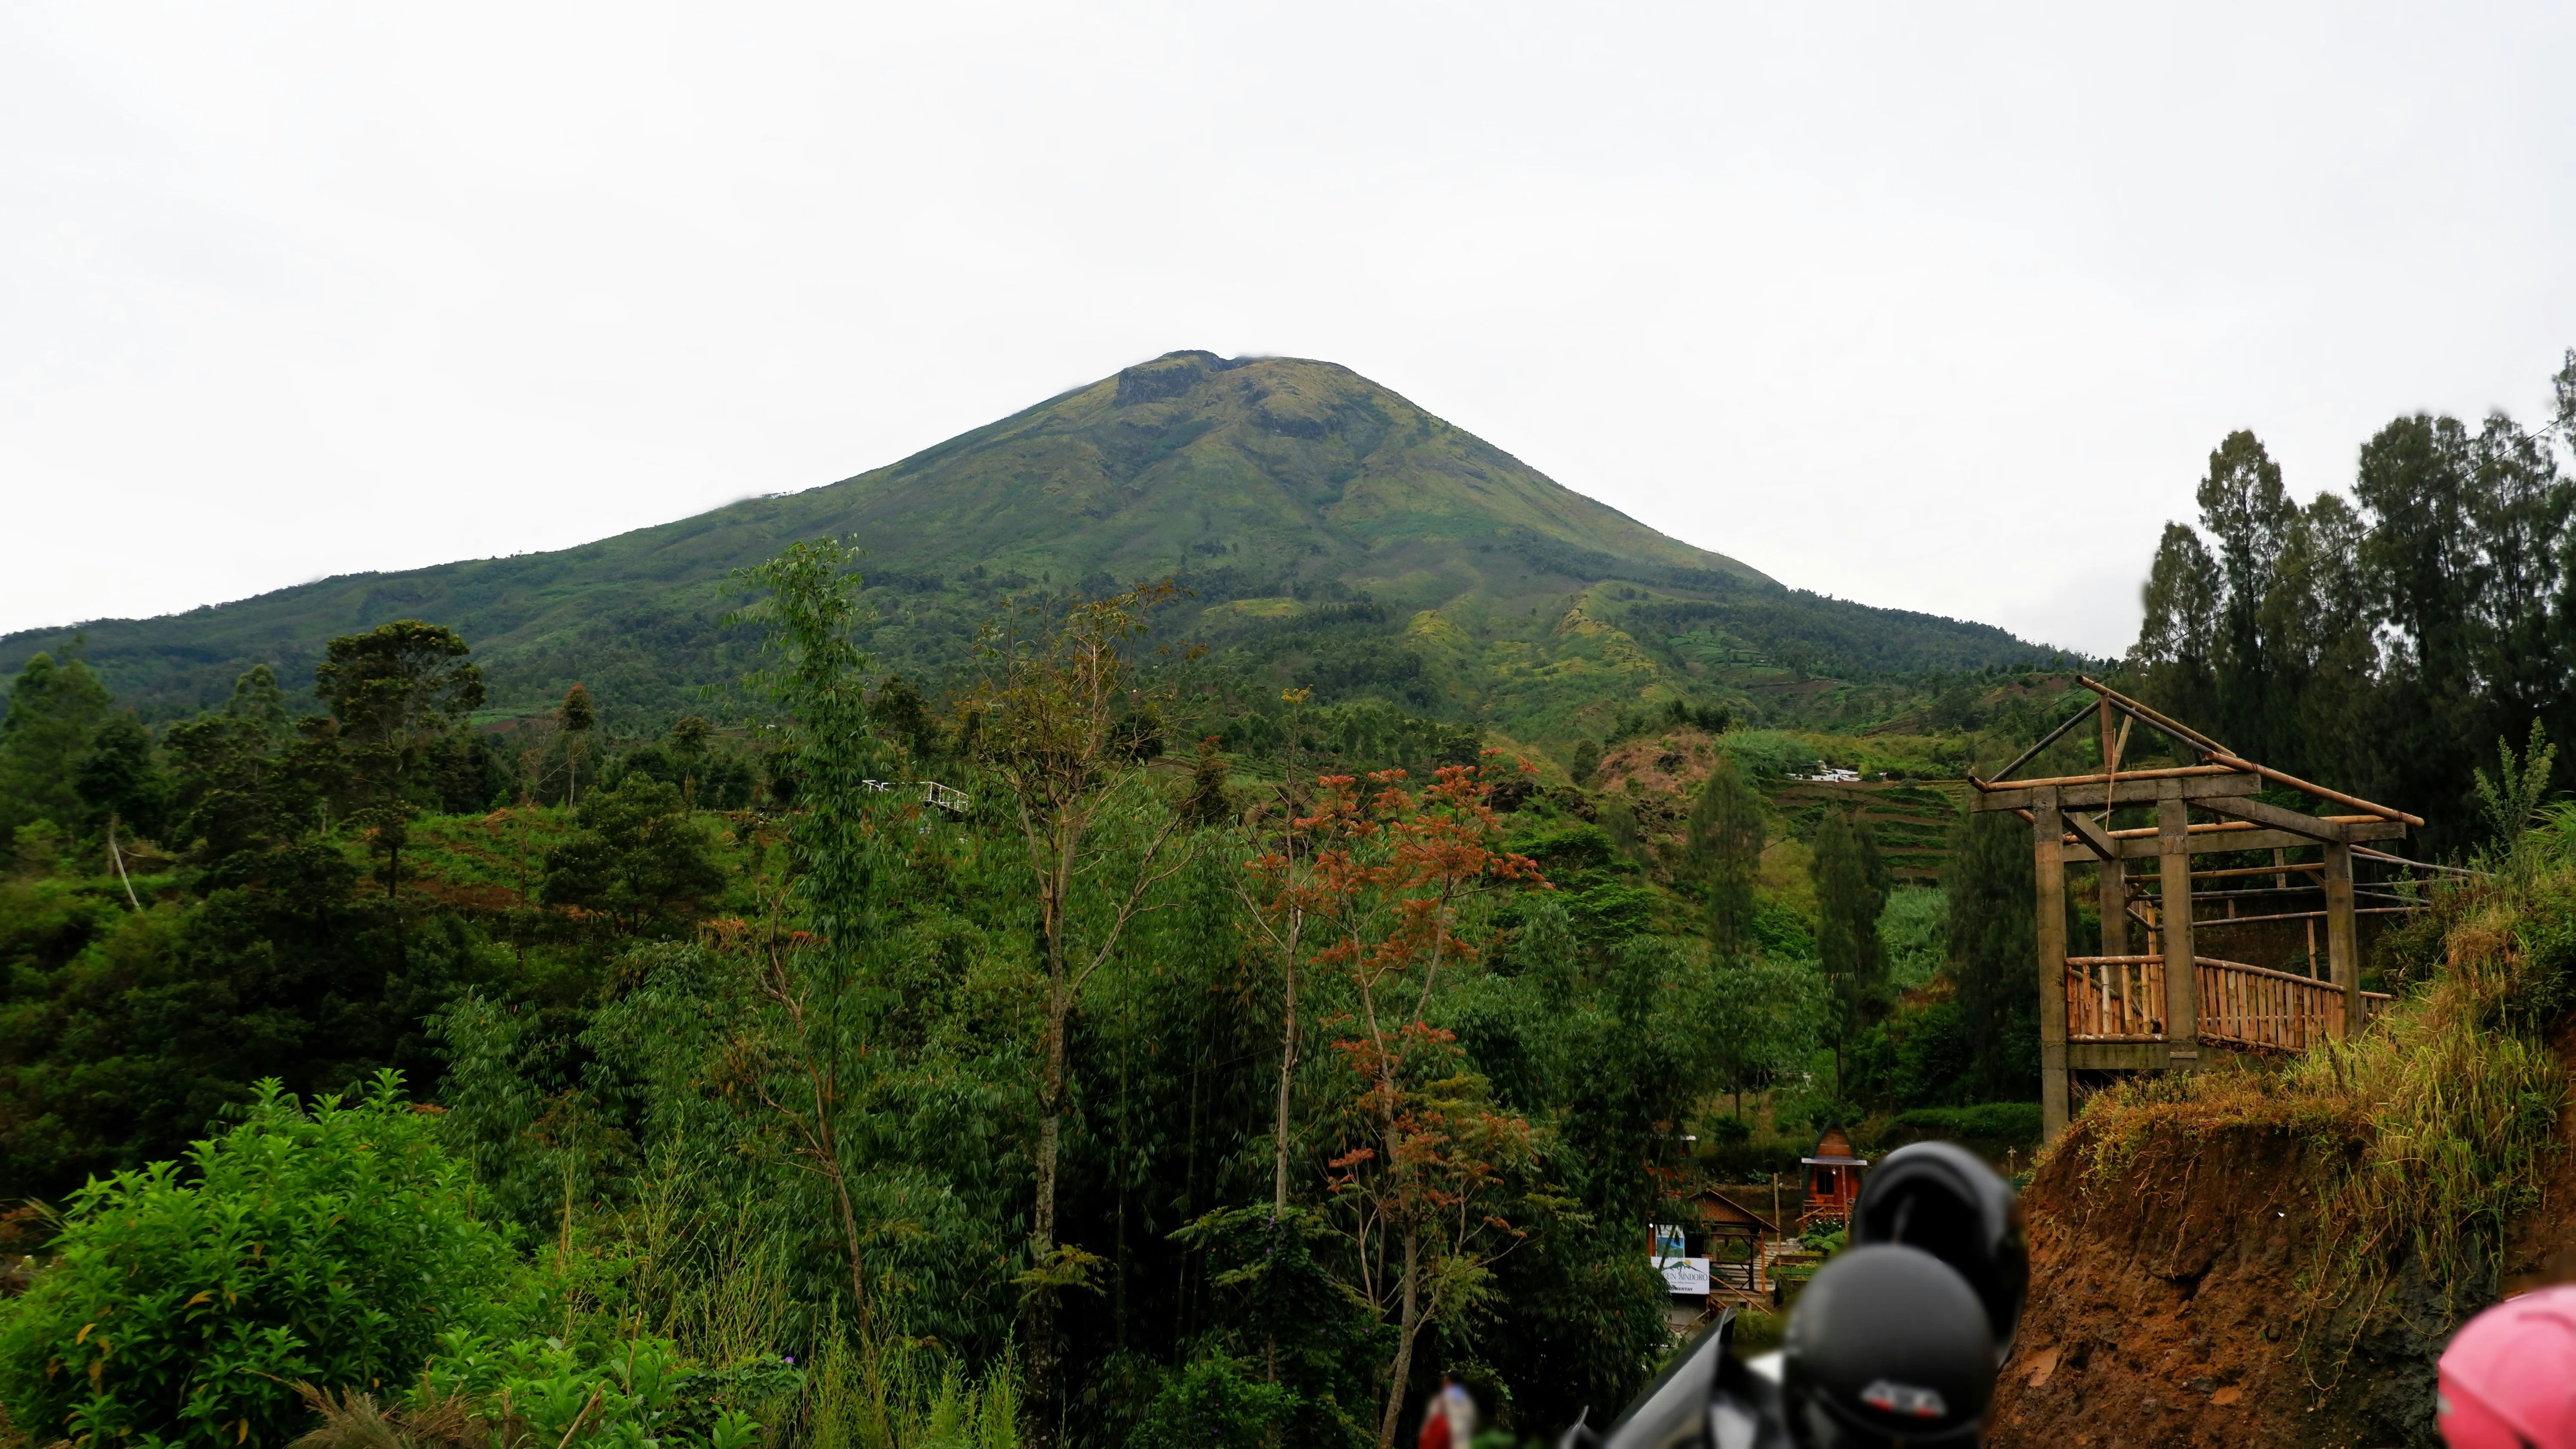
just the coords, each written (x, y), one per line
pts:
(2114, 892)
(2115, 908)
(2182, 972)
(2343, 940)
(2047, 829)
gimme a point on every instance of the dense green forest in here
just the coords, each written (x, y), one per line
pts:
(1173, 1064)
(2386, 639)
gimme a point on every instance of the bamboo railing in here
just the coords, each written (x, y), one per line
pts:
(2115, 998)
(2122, 999)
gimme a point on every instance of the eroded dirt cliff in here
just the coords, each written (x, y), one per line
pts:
(2166, 1307)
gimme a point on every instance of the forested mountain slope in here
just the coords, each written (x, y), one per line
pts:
(1329, 531)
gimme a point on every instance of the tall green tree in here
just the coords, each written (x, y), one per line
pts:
(54, 709)
(1852, 883)
(576, 717)
(2371, 641)
(1067, 723)
(1994, 952)
(2246, 514)
(1725, 849)
(638, 858)
(839, 845)
(397, 691)
(689, 749)
(1758, 1021)
(122, 783)
(2177, 648)
(232, 786)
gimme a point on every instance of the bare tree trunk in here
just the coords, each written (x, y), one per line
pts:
(1279, 1137)
(1051, 1098)
(1287, 1074)
(118, 856)
(849, 1225)
(1407, 1326)
(822, 1143)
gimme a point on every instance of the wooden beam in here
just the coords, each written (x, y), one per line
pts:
(2279, 868)
(2220, 754)
(2128, 790)
(2309, 915)
(2090, 836)
(2211, 827)
(2210, 839)
(2182, 979)
(2360, 854)
(2315, 827)
(2050, 903)
(2173, 729)
(2114, 891)
(2277, 777)
(2164, 772)
(2050, 738)
(2343, 935)
(2116, 1056)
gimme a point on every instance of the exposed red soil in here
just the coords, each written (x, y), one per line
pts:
(1671, 763)
(484, 897)
(2163, 1308)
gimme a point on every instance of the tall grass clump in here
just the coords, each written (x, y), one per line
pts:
(903, 1394)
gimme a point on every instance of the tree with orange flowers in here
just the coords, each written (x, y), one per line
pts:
(1423, 1154)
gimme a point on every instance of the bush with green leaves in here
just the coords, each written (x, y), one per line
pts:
(1215, 1403)
(631, 1393)
(329, 1245)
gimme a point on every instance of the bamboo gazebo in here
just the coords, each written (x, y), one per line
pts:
(2125, 1012)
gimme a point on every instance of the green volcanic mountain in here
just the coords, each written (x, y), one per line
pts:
(1330, 532)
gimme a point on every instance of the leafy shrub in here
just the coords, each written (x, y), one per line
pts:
(330, 1246)
(632, 1393)
(1915, 929)
(1214, 1403)
(2010, 1122)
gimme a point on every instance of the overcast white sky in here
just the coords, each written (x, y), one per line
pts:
(1939, 307)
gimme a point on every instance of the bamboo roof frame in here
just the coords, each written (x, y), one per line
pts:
(2219, 782)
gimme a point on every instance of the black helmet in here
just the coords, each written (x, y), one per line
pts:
(1887, 1343)
(1938, 1197)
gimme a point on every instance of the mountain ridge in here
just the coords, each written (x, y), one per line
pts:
(1407, 557)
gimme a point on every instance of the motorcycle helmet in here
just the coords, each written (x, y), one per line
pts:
(2508, 1379)
(1888, 1343)
(1938, 1197)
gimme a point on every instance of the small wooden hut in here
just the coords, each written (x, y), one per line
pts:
(2169, 1008)
(1725, 1223)
(1832, 1180)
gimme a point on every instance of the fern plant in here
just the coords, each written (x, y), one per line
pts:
(2510, 800)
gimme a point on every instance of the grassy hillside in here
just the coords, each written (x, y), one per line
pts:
(1331, 532)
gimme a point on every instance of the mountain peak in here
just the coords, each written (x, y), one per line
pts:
(1324, 524)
